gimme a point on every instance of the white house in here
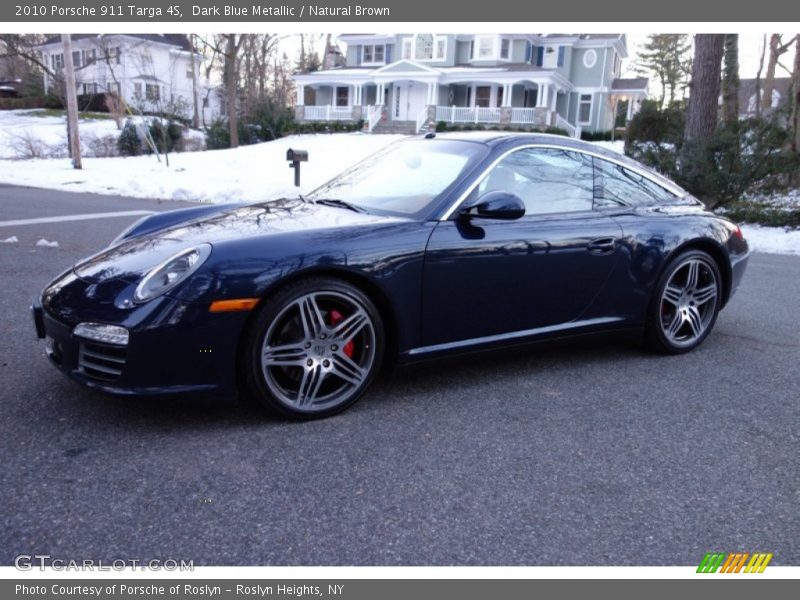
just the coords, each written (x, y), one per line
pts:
(408, 82)
(151, 72)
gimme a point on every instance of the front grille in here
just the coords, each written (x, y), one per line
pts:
(100, 361)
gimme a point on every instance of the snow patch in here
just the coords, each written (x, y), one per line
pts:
(772, 240)
(10, 240)
(43, 243)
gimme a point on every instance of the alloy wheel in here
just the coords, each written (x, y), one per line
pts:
(318, 351)
(689, 302)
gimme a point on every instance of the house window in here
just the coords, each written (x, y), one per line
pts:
(113, 55)
(483, 96)
(505, 48)
(373, 54)
(57, 61)
(528, 52)
(114, 88)
(590, 58)
(561, 53)
(342, 96)
(423, 49)
(407, 44)
(88, 56)
(89, 88)
(484, 48)
(585, 109)
(152, 92)
(76, 58)
(137, 90)
(441, 48)
(189, 72)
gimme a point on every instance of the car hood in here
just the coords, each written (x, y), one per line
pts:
(133, 257)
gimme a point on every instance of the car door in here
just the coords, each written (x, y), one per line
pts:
(485, 277)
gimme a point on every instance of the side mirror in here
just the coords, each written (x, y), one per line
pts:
(496, 205)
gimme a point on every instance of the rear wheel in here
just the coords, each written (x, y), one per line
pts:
(686, 303)
(314, 348)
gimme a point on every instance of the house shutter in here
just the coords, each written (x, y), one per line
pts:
(561, 56)
(539, 56)
(528, 52)
(358, 54)
(387, 54)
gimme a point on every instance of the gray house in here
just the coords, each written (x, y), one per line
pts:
(408, 82)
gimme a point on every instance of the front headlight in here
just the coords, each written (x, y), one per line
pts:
(171, 272)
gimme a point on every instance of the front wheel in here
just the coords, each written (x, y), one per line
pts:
(314, 348)
(686, 303)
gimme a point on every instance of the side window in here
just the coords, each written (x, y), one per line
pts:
(548, 180)
(619, 186)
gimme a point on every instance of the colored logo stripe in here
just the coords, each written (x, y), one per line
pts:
(734, 562)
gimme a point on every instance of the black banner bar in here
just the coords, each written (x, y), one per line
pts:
(387, 11)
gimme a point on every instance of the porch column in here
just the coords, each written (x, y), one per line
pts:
(541, 96)
(301, 95)
(508, 90)
(630, 110)
(379, 94)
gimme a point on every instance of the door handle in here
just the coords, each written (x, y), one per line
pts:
(602, 245)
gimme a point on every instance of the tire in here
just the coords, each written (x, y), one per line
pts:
(685, 303)
(313, 349)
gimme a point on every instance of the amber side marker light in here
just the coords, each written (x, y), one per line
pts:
(239, 304)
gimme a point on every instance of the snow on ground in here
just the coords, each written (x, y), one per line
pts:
(249, 173)
(25, 134)
(616, 146)
(773, 240)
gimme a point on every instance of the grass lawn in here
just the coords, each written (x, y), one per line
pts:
(60, 112)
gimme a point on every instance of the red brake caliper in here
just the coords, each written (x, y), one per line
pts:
(335, 318)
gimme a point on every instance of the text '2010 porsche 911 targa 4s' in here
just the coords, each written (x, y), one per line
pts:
(436, 245)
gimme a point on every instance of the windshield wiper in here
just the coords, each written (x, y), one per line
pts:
(340, 204)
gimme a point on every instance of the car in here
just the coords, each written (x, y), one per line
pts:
(437, 245)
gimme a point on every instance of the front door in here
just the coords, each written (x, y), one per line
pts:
(408, 101)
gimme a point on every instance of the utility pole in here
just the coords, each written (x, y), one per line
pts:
(72, 102)
(193, 57)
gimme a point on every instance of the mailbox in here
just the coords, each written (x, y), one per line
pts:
(295, 157)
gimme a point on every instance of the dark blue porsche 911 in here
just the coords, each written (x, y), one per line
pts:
(438, 245)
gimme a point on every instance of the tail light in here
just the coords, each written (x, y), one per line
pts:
(737, 233)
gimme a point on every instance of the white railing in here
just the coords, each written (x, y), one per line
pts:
(572, 130)
(422, 118)
(467, 114)
(523, 115)
(328, 113)
(374, 114)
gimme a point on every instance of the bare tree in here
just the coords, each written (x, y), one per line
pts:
(701, 114)
(758, 74)
(777, 48)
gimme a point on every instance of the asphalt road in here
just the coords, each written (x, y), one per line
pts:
(591, 454)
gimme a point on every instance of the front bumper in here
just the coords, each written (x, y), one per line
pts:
(174, 348)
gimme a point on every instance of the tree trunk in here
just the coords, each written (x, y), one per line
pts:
(796, 94)
(72, 103)
(195, 100)
(776, 49)
(701, 117)
(758, 78)
(231, 83)
(730, 80)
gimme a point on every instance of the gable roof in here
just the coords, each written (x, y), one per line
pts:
(179, 40)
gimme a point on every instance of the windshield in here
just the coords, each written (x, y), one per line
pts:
(405, 178)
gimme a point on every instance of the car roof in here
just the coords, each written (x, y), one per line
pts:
(493, 138)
